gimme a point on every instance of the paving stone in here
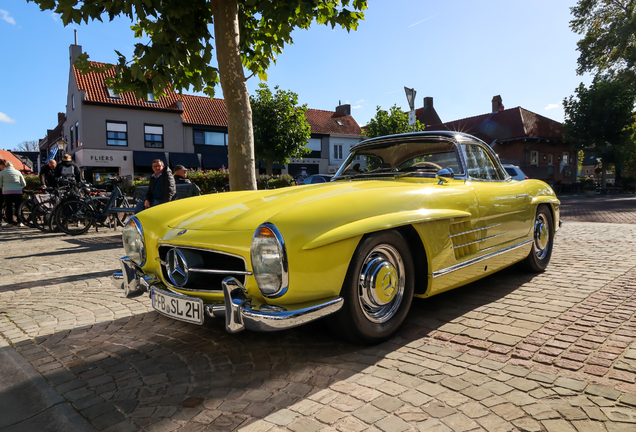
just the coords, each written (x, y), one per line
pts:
(557, 426)
(433, 425)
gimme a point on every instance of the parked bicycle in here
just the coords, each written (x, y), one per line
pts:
(76, 216)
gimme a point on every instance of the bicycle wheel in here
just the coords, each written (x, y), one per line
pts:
(75, 217)
(121, 217)
(41, 215)
(25, 211)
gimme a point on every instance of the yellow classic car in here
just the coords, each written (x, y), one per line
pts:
(405, 215)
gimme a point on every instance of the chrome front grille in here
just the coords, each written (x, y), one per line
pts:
(197, 269)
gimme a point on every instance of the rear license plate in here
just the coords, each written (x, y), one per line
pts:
(188, 309)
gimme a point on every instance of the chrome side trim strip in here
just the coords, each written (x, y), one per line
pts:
(474, 230)
(480, 240)
(477, 260)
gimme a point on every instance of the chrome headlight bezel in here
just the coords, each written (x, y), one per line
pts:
(133, 239)
(271, 277)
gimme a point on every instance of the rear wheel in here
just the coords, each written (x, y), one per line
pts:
(41, 215)
(543, 238)
(378, 290)
(74, 217)
(24, 212)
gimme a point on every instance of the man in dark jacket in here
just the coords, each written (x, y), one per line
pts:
(68, 169)
(47, 174)
(161, 188)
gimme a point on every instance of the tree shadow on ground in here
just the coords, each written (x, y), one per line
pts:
(147, 368)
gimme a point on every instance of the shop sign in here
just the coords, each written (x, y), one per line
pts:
(98, 159)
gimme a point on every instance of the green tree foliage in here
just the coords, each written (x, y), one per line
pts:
(390, 122)
(247, 35)
(608, 45)
(281, 129)
(601, 119)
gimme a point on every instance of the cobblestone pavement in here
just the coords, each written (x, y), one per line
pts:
(600, 208)
(552, 352)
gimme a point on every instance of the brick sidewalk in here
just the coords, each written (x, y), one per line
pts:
(600, 208)
(553, 352)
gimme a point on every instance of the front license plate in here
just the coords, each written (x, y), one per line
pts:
(176, 306)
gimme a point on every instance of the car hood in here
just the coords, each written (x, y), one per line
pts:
(341, 201)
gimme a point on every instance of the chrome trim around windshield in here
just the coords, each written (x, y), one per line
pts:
(477, 260)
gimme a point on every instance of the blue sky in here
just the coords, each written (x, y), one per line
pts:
(460, 52)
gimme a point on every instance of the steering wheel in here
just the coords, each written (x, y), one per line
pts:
(427, 164)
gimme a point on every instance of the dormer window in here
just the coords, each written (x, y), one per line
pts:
(339, 123)
(112, 94)
(150, 97)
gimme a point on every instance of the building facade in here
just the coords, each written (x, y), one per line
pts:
(112, 134)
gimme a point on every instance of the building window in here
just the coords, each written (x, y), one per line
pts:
(73, 101)
(337, 151)
(72, 137)
(210, 138)
(566, 158)
(77, 141)
(534, 157)
(550, 159)
(117, 133)
(314, 144)
(151, 97)
(153, 136)
(112, 94)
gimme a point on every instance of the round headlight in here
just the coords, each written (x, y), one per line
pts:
(133, 238)
(269, 261)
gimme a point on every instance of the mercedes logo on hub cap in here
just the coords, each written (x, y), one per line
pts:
(177, 267)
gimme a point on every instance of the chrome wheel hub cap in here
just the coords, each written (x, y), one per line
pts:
(541, 236)
(381, 283)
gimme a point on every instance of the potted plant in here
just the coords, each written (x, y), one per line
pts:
(589, 187)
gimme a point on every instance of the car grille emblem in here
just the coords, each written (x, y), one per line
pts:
(177, 267)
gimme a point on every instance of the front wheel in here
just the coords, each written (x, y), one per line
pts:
(378, 290)
(75, 217)
(543, 239)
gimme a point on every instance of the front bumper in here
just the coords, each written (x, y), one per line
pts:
(237, 308)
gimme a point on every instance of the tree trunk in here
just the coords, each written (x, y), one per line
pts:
(269, 167)
(237, 101)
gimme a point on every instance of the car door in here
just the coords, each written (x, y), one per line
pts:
(505, 210)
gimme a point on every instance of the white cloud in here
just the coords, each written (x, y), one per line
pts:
(5, 16)
(552, 106)
(356, 107)
(360, 101)
(5, 118)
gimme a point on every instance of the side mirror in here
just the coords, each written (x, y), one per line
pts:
(445, 175)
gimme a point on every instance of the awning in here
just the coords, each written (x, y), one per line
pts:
(188, 160)
(145, 158)
(214, 161)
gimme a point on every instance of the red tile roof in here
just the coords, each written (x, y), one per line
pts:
(96, 91)
(204, 111)
(331, 123)
(17, 163)
(508, 124)
(199, 110)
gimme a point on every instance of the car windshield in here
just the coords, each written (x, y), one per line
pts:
(419, 158)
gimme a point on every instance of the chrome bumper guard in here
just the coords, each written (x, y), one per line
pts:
(237, 309)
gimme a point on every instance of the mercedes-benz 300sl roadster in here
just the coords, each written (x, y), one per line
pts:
(405, 215)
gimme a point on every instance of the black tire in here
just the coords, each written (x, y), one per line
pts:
(543, 239)
(75, 217)
(25, 211)
(41, 215)
(372, 314)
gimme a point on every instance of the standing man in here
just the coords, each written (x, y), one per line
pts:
(11, 183)
(161, 189)
(68, 169)
(47, 175)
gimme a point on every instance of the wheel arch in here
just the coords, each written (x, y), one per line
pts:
(417, 250)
